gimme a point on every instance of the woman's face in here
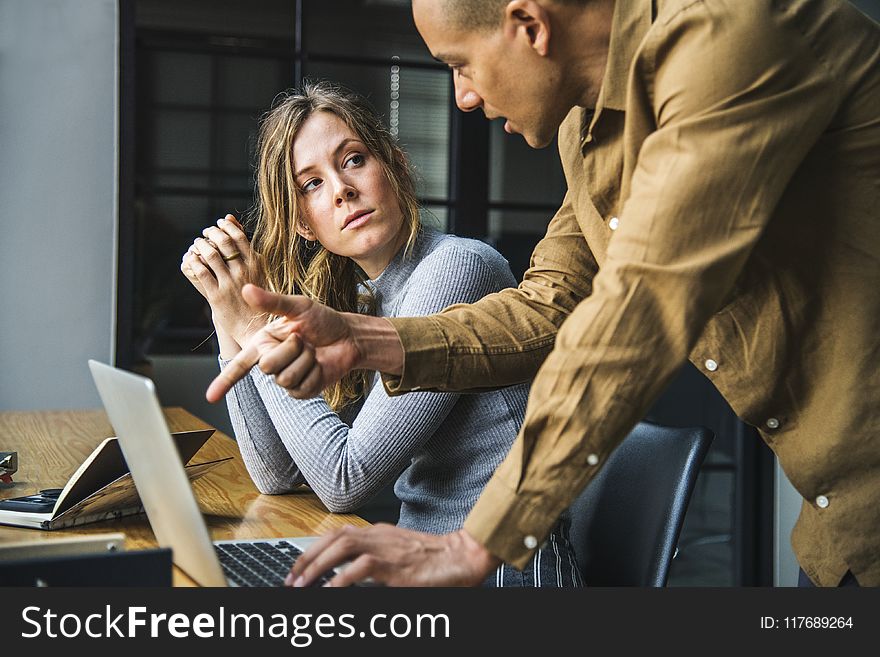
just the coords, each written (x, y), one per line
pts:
(348, 203)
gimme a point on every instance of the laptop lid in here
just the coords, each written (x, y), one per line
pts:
(134, 411)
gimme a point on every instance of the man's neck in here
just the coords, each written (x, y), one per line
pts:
(585, 37)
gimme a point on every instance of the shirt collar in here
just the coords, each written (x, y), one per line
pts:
(629, 25)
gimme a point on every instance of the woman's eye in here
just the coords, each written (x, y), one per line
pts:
(355, 160)
(311, 184)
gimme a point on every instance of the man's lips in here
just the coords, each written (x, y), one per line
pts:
(356, 219)
(508, 126)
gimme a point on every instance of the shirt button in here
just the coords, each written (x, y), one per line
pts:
(711, 365)
(822, 502)
(530, 542)
(592, 459)
(772, 423)
(613, 223)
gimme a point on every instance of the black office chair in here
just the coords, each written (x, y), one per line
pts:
(626, 522)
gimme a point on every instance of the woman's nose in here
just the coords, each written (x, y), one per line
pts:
(345, 193)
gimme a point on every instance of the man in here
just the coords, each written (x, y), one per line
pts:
(723, 168)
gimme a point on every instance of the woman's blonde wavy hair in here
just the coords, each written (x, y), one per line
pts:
(289, 263)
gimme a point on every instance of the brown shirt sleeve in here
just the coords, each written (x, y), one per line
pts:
(736, 104)
(503, 338)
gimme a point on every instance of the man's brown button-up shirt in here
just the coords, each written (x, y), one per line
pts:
(723, 205)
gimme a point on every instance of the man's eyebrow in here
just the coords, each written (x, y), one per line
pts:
(443, 58)
(345, 142)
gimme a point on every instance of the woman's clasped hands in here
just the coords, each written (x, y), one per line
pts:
(219, 264)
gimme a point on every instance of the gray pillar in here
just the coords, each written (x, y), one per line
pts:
(58, 108)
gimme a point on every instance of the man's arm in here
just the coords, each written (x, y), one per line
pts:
(500, 340)
(309, 346)
(503, 338)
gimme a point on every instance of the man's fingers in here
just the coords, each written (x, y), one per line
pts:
(235, 371)
(287, 354)
(366, 566)
(307, 557)
(277, 304)
(325, 554)
(310, 386)
(279, 329)
(291, 375)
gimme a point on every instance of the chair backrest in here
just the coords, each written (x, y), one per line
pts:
(626, 522)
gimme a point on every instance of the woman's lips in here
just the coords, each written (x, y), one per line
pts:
(360, 220)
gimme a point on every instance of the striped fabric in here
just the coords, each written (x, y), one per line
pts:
(552, 566)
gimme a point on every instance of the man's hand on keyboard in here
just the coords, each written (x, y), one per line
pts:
(385, 554)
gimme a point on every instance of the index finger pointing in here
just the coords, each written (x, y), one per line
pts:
(235, 371)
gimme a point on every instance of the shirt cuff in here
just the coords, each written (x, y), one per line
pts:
(426, 355)
(512, 526)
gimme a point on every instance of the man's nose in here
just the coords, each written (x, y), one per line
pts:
(466, 98)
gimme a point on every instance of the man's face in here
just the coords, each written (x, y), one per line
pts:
(497, 72)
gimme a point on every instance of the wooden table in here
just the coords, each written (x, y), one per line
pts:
(52, 444)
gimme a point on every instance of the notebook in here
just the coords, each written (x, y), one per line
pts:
(134, 411)
(100, 489)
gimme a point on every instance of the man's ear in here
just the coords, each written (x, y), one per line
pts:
(530, 20)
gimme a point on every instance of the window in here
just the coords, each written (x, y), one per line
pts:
(205, 74)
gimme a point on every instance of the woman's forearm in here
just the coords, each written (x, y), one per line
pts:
(228, 346)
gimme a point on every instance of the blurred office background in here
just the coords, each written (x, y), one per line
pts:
(129, 125)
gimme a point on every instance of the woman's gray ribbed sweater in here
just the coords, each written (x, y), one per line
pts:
(443, 446)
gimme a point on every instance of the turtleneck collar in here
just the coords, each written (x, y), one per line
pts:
(391, 281)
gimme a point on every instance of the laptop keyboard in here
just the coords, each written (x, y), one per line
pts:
(258, 563)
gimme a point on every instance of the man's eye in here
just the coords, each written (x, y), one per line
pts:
(311, 184)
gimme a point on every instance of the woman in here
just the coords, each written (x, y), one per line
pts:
(337, 220)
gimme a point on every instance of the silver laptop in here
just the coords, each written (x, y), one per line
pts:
(134, 411)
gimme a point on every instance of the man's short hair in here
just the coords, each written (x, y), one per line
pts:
(485, 14)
